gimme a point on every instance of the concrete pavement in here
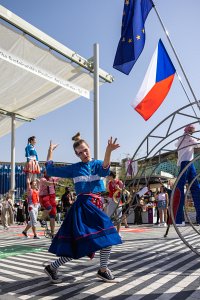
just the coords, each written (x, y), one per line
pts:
(147, 267)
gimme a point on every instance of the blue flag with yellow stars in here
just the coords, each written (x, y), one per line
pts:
(132, 38)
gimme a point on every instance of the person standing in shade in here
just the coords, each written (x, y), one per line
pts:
(7, 216)
(66, 200)
(59, 212)
(162, 204)
(20, 213)
(185, 146)
(86, 229)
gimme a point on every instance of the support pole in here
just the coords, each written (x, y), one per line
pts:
(12, 185)
(176, 55)
(96, 101)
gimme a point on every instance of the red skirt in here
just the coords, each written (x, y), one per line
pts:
(32, 167)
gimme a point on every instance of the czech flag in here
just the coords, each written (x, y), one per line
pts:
(156, 84)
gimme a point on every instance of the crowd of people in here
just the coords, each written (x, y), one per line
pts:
(88, 215)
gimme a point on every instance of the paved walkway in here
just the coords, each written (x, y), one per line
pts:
(146, 265)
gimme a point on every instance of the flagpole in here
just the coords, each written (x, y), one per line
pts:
(181, 83)
(174, 51)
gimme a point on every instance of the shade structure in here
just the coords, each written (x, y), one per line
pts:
(35, 79)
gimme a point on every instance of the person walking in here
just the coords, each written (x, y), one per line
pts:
(86, 229)
(185, 146)
(47, 197)
(33, 205)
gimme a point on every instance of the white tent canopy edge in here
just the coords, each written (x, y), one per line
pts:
(91, 66)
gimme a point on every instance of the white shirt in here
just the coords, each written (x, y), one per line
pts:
(185, 146)
(161, 196)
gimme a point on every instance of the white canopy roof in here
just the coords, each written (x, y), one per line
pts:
(34, 79)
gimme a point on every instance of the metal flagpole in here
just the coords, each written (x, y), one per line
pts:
(179, 78)
(96, 101)
(174, 51)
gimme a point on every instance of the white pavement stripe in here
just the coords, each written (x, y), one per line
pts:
(141, 256)
(166, 278)
(28, 265)
(27, 288)
(14, 274)
(49, 297)
(24, 241)
(38, 292)
(117, 292)
(33, 257)
(17, 258)
(70, 289)
(130, 253)
(133, 284)
(25, 270)
(2, 278)
(177, 288)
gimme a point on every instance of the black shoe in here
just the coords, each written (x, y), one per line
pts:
(25, 234)
(106, 275)
(52, 274)
(36, 237)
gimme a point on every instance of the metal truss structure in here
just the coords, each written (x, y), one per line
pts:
(149, 156)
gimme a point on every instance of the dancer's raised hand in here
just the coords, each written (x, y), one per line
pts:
(112, 145)
(52, 147)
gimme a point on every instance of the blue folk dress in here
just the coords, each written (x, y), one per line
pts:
(86, 228)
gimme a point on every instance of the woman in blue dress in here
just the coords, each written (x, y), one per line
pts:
(86, 228)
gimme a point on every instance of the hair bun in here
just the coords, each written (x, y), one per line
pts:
(76, 137)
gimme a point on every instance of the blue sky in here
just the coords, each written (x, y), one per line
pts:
(78, 25)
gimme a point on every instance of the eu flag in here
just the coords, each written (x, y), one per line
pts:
(132, 38)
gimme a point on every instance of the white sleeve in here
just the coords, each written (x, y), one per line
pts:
(177, 144)
(195, 142)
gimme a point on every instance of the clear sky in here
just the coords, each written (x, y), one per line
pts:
(78, 25)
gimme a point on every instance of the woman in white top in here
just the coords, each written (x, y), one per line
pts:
(162, 204)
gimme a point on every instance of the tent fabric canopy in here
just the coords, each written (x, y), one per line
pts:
(30, 95)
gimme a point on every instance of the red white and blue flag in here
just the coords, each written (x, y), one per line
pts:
(156, 84)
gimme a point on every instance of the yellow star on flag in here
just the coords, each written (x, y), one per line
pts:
(138, 37)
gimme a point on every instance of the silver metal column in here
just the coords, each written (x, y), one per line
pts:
(12, 185)
(96, 101)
